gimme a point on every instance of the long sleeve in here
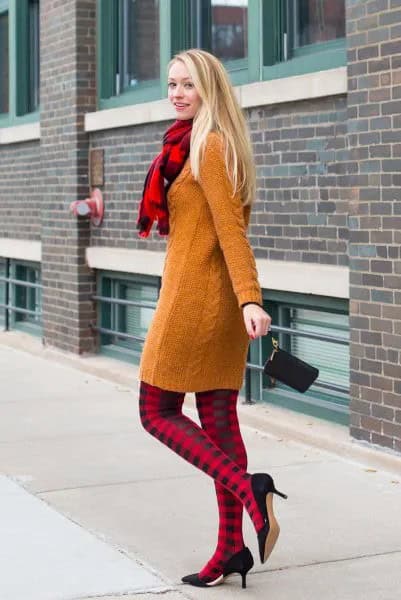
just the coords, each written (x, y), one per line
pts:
(228, 218)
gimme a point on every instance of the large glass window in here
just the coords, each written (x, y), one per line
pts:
(19, 70)
(34, 63)
(138, 42)
(4, 60)
(229, 29)
(255, 39)
(317, 21)
(20, 296)
(129, 47)
(302, 36)
(125, 313)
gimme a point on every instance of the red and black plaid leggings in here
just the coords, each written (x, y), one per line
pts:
(216, 448)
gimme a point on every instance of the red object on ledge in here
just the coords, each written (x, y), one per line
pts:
(92, 207)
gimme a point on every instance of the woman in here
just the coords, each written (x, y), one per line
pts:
(210, 302)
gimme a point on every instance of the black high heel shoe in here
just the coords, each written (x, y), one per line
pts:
(263, 489)
(241, 562)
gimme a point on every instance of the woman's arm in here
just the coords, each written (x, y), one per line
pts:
(228, 218)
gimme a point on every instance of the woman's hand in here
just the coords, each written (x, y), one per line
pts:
(257, 321)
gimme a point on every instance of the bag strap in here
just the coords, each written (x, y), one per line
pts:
(274, 341)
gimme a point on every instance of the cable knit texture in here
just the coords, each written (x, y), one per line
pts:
(197, 340)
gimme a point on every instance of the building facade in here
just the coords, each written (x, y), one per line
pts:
(82, 106)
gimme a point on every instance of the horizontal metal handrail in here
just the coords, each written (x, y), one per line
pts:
(129, 336)
(310, 334)
(19, 282)
(26, 311)
(249, 366)
(125, 302)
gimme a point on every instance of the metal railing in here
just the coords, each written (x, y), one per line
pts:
(250, 367)
(293, 332)
(121, 302)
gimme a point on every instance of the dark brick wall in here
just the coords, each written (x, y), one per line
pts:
(20, 199)
(67, 93)
(374, 124)
(302, 201)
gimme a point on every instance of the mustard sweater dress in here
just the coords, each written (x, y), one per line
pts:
(197, 339)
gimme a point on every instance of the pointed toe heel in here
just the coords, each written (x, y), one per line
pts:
(263, 489)
(241, 563)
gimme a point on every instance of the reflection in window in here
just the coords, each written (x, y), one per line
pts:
(33, 97)
(318, 21)
(229, 29)
(4, 75)
(138, 43)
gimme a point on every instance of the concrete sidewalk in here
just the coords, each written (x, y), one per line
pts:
(92, 506)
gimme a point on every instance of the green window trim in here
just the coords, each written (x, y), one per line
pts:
(19, 65)
(281, 59)
(107, 53)
(267, 57)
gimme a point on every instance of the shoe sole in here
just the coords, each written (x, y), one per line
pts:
(274, 528)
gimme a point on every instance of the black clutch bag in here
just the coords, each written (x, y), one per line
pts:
(289, 369)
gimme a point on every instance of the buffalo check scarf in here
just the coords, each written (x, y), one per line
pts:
(166, 166)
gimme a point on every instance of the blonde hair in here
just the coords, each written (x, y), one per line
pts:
(219, 111)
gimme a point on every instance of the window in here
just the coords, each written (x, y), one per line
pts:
(125, 313)
(4, 59)
(20, 296)
(26, 297)
(33, 53)
(302, 36)
(130, 47)
(316, 21)
(229, 29)
(255, 39)
(220, 26)
(19, 70)
(296, 314)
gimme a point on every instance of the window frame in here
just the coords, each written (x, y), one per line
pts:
(265, 60)
(18, 51)
(280, 59)
(109, 313)
(106, 49)
(11, 290)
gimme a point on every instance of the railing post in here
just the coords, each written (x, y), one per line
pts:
(7, 297)
(248, 399)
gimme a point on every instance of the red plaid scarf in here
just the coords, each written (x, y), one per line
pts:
(166, 166)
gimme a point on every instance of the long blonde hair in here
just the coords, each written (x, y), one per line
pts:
(219, 111)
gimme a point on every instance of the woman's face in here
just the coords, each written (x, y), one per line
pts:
(181, 92)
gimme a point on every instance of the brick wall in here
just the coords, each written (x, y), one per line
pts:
(374, 124)
(20, 198)
(67, 92)
(302, 199)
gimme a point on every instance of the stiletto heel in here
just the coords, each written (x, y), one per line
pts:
(241, 563)
(279, 493)
(263, 489)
